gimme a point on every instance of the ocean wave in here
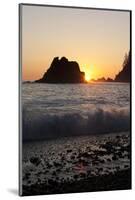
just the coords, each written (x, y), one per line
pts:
(39, 126)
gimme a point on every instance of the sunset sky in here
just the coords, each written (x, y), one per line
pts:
(96, 39)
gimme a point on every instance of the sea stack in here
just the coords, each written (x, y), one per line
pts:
(125, 74)
(63, 71)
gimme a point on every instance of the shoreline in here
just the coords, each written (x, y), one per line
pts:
(120, 180)
(94, 135)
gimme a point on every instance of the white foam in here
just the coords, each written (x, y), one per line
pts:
(97, 121)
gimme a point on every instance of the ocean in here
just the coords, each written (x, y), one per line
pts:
(58, 110)
(76, 137)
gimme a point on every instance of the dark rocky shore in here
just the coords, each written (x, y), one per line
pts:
(120, 180)
(81, 164)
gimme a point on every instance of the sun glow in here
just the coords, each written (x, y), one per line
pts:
(88, 71)
(87, 77)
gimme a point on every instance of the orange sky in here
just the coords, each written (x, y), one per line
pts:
(96, 39)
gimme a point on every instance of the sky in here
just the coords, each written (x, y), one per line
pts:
(96, 39)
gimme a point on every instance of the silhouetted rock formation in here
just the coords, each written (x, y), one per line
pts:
(27, 81)
(125, 74)
(109, 80)
(63, 71)
(102, 80)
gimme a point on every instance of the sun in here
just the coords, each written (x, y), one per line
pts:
(87, 77)
(88, 70)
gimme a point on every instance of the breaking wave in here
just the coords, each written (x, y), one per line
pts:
(99, 121)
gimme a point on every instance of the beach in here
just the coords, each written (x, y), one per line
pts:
(77, 164)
